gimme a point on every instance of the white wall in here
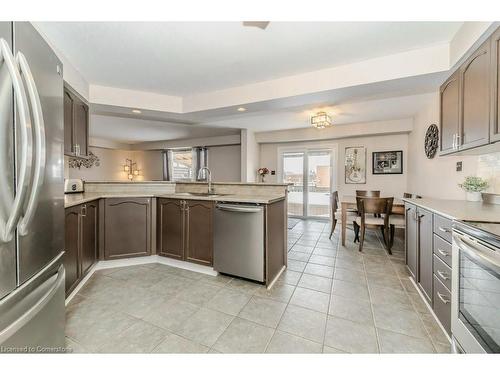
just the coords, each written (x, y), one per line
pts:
(250, 155)
(438, 177)
(390, 185)
(111, 163)
(225, 163)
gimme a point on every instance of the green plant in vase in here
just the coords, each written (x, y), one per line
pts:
(473, 186)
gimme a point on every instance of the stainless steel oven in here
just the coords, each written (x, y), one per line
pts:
(475, 315)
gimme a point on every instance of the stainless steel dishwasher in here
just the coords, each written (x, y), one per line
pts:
(239, 240)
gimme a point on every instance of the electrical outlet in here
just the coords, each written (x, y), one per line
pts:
(459, 166)
(273, 173)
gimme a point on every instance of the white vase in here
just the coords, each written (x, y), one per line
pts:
(473, 196)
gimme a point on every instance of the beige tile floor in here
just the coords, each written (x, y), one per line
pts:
(332, 299)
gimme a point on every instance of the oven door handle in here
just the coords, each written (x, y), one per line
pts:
(478, 252)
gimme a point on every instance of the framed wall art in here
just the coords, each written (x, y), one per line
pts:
(355, 165)
(387, 162)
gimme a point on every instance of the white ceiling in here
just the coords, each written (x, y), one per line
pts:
(192, 57)
(346, 113)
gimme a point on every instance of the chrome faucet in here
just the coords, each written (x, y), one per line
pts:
(209, 178)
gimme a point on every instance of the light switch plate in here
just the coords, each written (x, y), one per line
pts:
(459, 166)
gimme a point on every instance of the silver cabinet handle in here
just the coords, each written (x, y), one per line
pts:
(443, 275)
(458, 141)
(40, 148)
(84, 210)
(444, 230)
(7, 227)
(443, 253)
(444, 300)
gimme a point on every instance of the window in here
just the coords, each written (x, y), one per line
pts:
(182, 164)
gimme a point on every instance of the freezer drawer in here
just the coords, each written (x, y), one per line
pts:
(32, 318)
(239, 240)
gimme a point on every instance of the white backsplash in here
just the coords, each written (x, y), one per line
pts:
(489, 168)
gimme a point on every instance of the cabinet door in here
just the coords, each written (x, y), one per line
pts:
(199, 240)
(425, 260)
(68, 123)
(71, 246)
(80, 126)
(170, 228)
(127, 227)
(411, 239)
(450, 113)
(89, 236)
(495, 87)
(475, 99)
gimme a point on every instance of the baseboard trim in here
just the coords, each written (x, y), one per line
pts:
(136, 261)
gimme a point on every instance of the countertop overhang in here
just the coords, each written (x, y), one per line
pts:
(75, 199)
(459, 210)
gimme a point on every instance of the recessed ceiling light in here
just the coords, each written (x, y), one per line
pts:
(242, 109)
(136, 111)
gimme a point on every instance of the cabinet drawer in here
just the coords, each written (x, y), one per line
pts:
(442, 304)
(442, 272)
(442, 249)
(442, 227)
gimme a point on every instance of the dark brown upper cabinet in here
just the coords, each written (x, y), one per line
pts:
(76, 123)
(469, 101)
(127, 227)
(495, 86)
(450, 113)
(475, 100)
(184, 230)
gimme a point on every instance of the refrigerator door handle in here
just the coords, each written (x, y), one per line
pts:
(39, 145)
(8, 226)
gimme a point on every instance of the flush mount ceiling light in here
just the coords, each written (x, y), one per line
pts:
(136, 111)
(241, 109)
(321, 120)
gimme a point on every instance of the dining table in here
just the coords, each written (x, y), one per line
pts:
(348, 202)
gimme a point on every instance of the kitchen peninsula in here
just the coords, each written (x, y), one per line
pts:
(113, 221)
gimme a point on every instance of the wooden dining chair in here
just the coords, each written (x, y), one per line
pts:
(373, 213)
(368, 193)
(337, 213)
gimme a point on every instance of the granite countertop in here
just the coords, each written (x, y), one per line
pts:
(459, 210)
(71, 200)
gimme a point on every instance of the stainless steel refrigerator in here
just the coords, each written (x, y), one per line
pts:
(31, 192)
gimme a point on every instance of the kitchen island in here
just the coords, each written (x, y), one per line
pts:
(116, 221)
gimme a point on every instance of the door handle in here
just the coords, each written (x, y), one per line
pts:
(444, 300)
(7, 227)
(443, 253)
(40, 147)
(443, 275)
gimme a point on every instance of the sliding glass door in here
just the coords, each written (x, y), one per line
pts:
(310, 173)
(293, 173)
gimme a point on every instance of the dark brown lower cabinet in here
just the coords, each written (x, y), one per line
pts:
(71, 246)
(127, 227)
(89, 236)
(184, 230)
(81, 242)
(199, 232)
(425, 253)
(419, 250)
(170, 228)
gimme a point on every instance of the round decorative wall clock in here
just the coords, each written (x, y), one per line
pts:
(431, 141)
